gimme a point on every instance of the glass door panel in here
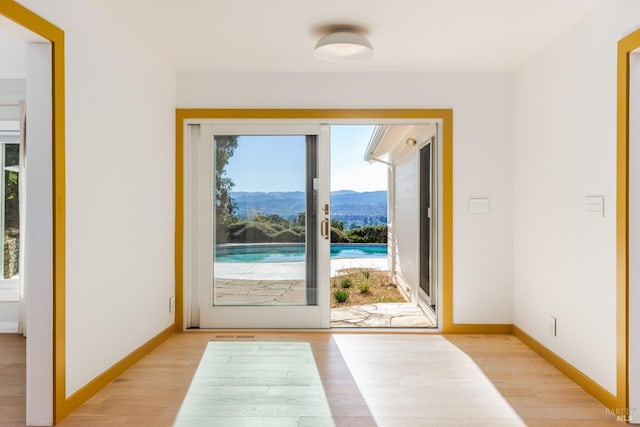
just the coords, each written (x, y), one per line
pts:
(256, 251)
(264, 220)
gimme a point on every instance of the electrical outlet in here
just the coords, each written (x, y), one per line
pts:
(172, 304)
(553, 326)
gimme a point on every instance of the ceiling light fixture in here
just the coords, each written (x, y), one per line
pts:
(343, 44)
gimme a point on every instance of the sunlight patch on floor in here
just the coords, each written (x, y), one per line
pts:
(417, 378)
(256, 384)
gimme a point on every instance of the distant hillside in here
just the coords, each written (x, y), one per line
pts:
(353, 208)
(349, 202)
(286, 204)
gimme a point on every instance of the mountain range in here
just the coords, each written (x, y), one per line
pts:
(353, 208)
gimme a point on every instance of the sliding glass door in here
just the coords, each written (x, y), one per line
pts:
(259, 231)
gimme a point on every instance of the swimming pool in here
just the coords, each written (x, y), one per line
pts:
(294, 252)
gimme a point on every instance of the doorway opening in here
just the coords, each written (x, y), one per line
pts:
(376, 283)
(287, 226)
(26, 291)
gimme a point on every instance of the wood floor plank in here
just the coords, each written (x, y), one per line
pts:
(12, 380)
(391, 380)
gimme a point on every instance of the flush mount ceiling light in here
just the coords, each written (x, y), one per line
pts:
(343, 44)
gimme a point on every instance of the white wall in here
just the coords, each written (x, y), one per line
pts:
(482, 153)
(13, 54)
(120, 190)
(565, 149)
(12, 89)
(407, 224)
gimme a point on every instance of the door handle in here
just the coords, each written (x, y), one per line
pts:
(324, 228)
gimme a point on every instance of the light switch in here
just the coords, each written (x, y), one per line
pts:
(594, 206)
(478, 205)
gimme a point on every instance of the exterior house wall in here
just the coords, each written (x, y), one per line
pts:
(406, 224)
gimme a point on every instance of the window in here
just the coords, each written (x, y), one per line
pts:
(10, 206)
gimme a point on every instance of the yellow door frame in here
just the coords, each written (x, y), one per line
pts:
(446, 117)
(625, 47)
(34, 23)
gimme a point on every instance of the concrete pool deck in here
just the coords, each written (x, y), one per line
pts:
(288, 270)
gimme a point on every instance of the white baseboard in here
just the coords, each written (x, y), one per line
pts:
(8, 327)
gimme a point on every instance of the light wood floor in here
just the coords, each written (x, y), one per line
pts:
(12, 380)
(369, 379)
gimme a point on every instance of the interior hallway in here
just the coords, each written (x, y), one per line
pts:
(369, 379)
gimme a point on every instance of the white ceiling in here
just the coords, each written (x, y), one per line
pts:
(407, 35)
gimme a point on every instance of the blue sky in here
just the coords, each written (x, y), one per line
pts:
(277, 163)
(268, 163)
(349, 171)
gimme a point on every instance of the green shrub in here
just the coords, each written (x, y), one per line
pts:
(345, 283)
(276, 219)
(286, 236)
(338, 236)
(366, 274)
(226, 232)
(298, 229)
(252, 232)
(235, 227)
(260, 231)
(368, 234)
(365, 286)
(341, 296)
(222, 233)
(277, 227)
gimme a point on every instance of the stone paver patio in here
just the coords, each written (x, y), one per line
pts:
(255, 284)
(389, 315)
(259, 292)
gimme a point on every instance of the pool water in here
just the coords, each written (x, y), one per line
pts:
(287, 253)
